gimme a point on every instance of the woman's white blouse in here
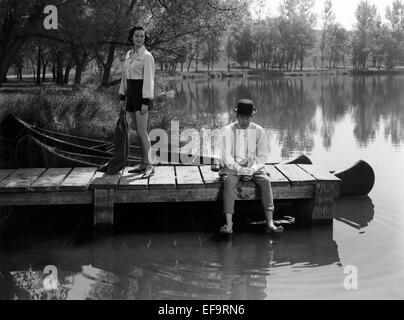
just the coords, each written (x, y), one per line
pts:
(139, 65)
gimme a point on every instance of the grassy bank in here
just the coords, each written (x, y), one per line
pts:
(89, 112)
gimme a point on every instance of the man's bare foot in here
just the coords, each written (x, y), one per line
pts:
(272, 229)
(225, 229)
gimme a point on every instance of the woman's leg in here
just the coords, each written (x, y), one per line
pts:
(141, 129)
(141, 166)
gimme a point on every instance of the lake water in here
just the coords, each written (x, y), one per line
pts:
(335, 121)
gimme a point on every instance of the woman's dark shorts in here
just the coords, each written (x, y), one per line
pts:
(134, 99)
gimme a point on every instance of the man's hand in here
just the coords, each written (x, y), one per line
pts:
(246, 174)
(246, 178)
(144, 109)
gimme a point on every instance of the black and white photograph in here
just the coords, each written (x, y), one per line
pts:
(217, 152)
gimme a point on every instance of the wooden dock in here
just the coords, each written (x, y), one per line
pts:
(312, 187)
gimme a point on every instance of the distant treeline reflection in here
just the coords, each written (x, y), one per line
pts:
(299, 108)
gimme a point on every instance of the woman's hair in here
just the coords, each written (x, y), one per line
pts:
(132, 31)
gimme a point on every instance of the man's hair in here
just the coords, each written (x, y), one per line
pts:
(132, 31)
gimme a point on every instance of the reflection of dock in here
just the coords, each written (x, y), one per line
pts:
(316, 187)
(179, 266)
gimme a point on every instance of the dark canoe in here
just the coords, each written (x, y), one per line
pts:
(14, 129)
(357, 180)
(38, 147)
(32, 153)
(302, 159)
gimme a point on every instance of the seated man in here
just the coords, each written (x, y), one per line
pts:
(243, 154)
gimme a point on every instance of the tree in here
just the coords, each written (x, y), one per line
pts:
(259, 6)
(366, 16)
(18, 19)
(261, 38)
(229, 50)
(112, 19)
(336, 44)
(200, 20)
(305, 39)
(244, 46)
(98, 29)
(211, 52)
(328, 18)
(296, 27)
(395, 18)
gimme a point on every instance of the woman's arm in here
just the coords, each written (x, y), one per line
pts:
(148, 80)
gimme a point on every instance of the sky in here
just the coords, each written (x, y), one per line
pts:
(343, 9)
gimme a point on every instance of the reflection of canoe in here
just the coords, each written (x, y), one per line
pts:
(357, 180)
(355, 212)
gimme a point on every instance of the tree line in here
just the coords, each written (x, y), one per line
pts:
(284, 42)
(186, 33)
(97, 30)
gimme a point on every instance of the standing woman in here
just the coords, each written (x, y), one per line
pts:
(137, 87)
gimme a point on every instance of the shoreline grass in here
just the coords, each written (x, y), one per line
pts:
(89, 112)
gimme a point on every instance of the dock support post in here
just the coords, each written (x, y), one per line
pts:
(104, 207)
(5, 212)
(323, 204)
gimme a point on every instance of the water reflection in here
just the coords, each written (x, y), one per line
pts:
(339, 120)
(297, 109)
(170, 266)
(355, 212)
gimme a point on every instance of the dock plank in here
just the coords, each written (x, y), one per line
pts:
(163, 178)
(280, 191)
(30, 198)
(78, 179)
(20, 179)
(50, 180)
(188, 177)
(4, 173)
(102, 180)
(132, 180)
(319, 172)
(210, 178)
(295, 174)
(275, 174)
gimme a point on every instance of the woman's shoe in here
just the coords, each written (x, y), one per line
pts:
(149, 171)
(138, 168)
